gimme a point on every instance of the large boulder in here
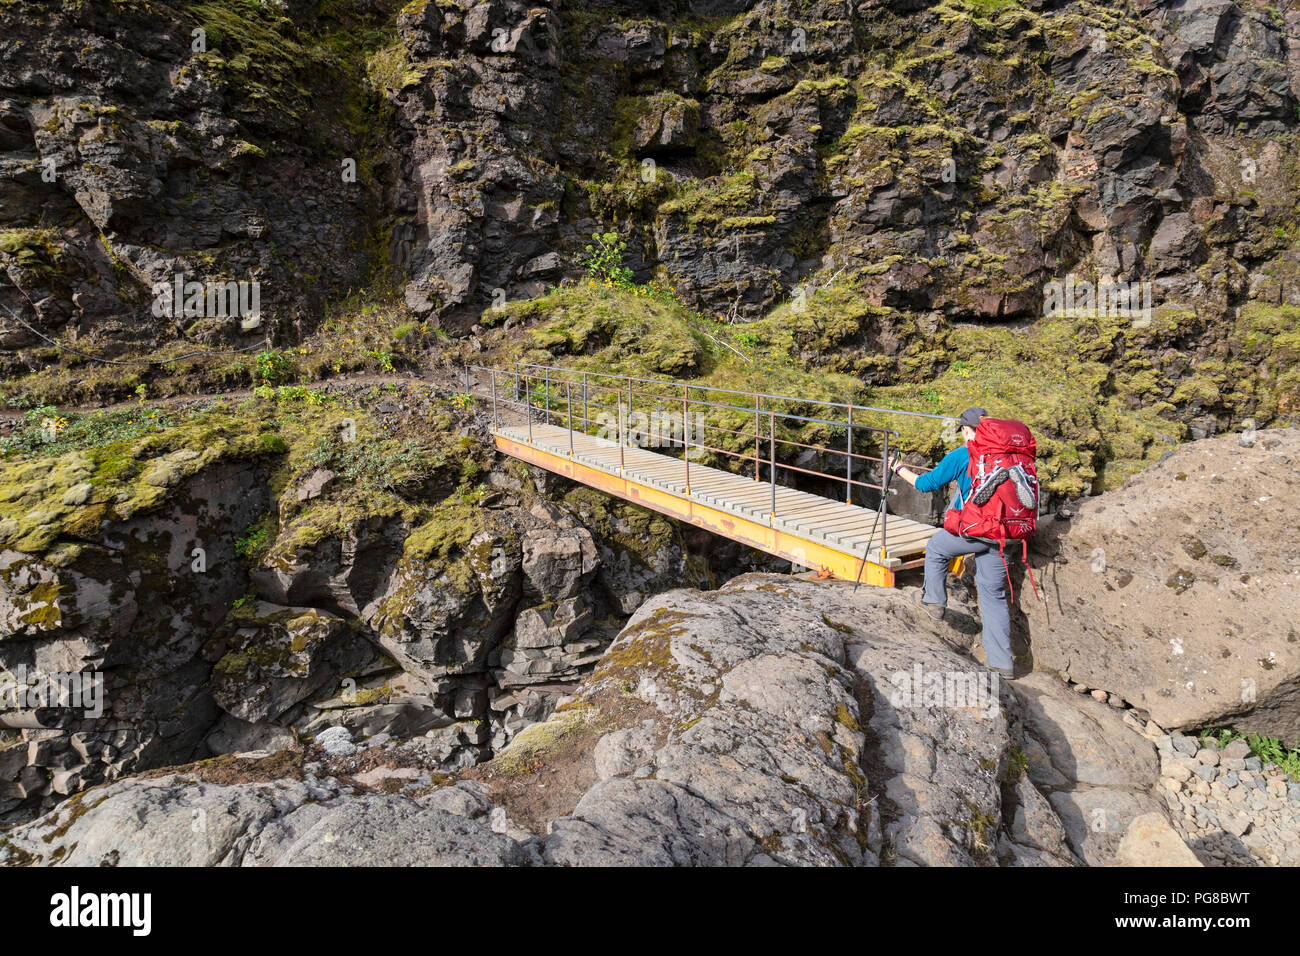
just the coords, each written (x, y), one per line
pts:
(443, 617)
(558, 564)
(343, 573)
(937, 738)
(270, 658)
(1177, 592)
(1151, 841)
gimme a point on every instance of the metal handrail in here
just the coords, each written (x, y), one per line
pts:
(547, 411)
(837, 423)
(737, 408)
(734, 391)
(585, 420)
(589, 403)
(536, 390)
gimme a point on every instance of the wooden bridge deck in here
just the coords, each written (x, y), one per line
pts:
(806, 529)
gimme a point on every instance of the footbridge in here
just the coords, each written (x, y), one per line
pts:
(719, 459)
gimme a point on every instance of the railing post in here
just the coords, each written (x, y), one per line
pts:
(622, 440)
(568, 407)
(585, 411)
(884, 499)
(686, 434)
(771, 445)
(757, 442)
(848, 463)
(548, 397)
(494, 399)
(528, 408)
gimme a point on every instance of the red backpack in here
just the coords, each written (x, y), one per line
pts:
(1003, 500)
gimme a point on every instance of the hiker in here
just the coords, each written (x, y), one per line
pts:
(944, 546)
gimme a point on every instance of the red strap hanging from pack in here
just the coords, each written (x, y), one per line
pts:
(1024, 556)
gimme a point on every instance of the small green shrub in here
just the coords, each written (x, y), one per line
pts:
(1267, 749)
(274, 367)
(371, 466)
(255, 539)
(604, 260)
(382, 357)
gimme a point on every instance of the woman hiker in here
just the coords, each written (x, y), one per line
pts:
(943, 547)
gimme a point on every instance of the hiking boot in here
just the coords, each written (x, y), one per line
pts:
(935, 611)
(1024, 493)
(990, 485)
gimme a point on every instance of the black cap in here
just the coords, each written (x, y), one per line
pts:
(971, 417)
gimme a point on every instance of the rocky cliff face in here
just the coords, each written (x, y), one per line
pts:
(103, 583)
(238, 581)
(133, 149)
(908, 167)
(962, 154)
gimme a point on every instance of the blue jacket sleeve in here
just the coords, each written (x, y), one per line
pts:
(954, 464)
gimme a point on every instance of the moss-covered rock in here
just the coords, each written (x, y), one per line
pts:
(273, 657)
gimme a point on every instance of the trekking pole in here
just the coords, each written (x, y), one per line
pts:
(884, 496)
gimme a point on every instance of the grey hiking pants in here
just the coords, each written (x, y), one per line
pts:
(991, 581)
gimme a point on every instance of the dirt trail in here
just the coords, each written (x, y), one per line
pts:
(436, 377)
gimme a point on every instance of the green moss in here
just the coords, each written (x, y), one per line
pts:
(709, 204)
(16, 855)
(982, 826)
(46, 499)
(37, 252)
(33, 243)
(844, 716)
(1017, 766)
(370, 696)
(856, 777)
(637, 119)
(78, 806)
(390, 68)
(271, 445)
(442, 542)
(842, 628)
(746, 222)
(265, 644)
(546, 741)
(38, 606)
(642, 336)
(642, 649)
